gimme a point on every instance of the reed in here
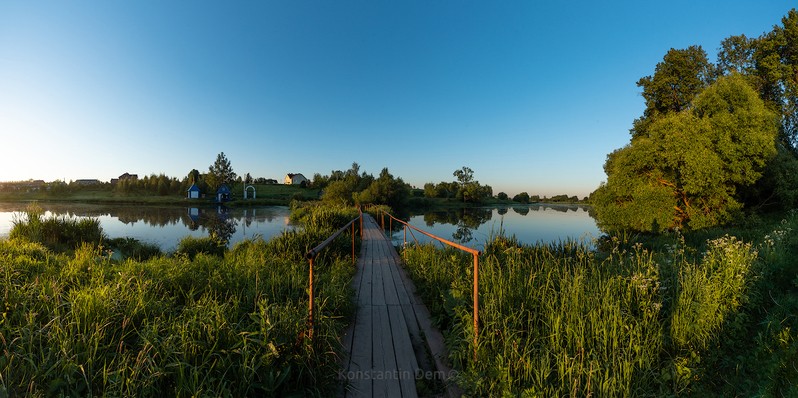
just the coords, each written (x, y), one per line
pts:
(82, 323)
(565, 319)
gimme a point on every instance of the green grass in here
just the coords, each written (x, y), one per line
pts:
(715, 318)
(267, 194)
(78, 322)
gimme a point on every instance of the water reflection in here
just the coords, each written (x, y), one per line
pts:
(166, 225)
(465, 219)
(217, 222)
(530, 224)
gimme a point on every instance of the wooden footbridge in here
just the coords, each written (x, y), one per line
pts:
(391, 345)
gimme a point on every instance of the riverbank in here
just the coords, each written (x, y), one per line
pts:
(266, 195)
(203, 321)
(704, 313)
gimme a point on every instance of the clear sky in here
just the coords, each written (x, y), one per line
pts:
(531, 95)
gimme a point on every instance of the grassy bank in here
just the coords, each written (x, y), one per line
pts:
(76, 322)
(267, 194)
(703, 314)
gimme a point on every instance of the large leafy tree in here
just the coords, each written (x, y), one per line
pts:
(681, 75)
(688, 168)
(385, 190)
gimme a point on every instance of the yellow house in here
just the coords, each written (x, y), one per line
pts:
(295, 179)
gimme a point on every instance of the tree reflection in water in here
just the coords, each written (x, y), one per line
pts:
(466, 219)
(217, 222)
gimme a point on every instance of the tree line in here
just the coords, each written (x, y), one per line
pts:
(716, 140)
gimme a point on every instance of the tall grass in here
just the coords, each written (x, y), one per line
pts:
(565, 320)
(80, 323)
(57, 233)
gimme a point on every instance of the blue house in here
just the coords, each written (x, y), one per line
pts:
(223, 193)
(193, 192)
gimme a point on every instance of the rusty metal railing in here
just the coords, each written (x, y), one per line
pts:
(473, 252)
(314, 252)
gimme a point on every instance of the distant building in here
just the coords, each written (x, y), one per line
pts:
(126, 176)
(193, 192)
(295, 179)
(223, 193)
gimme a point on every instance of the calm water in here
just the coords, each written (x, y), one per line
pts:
(529, 223)
(165, 226)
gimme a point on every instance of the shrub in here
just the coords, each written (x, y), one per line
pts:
(191, 246)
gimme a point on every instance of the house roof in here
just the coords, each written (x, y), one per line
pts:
(223, 189)
(193, 187)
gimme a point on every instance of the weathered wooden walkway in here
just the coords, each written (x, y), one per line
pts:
(389, 340)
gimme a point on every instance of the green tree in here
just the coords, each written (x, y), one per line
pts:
(220, 172)
(464, 176)
(680, 76)
(501, 196)
(385, 190)
(522, 197)
(736, 54)
(688, 170)
(194, 176)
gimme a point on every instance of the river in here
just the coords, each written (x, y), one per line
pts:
(165, 226)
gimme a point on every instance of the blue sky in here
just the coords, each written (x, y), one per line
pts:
(531, 95)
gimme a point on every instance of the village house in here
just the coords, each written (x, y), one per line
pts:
(295, 179)
(126, 176)
(223, 194)
(193, 192)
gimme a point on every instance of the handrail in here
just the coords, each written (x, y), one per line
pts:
(314, 252)
(473, 251)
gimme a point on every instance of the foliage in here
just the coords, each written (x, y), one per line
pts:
(352, 187)
(677, 80)
(192, 246)
(385, 190)
(83, 324)
(502, 196)
(465, 189)
(522, 197)
(464, 175)
(56, 233)
(220, 172)
(689, 167)
(160, 185)
(626, 320)
(133, 248)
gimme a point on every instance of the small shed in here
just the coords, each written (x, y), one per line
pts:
(193, 192)
(223, 193)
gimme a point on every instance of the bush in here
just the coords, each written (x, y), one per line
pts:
(191, 246)
(57, 233)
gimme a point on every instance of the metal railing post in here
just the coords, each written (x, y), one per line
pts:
(310, 300)
(474, 252)
(476, 304)
(311, 255)
(353, 243)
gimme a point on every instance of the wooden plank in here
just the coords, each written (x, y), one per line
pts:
(385, 341)
(360, 363)
(406, 364)
(378, 286)
(385, 383)
(389, 272)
